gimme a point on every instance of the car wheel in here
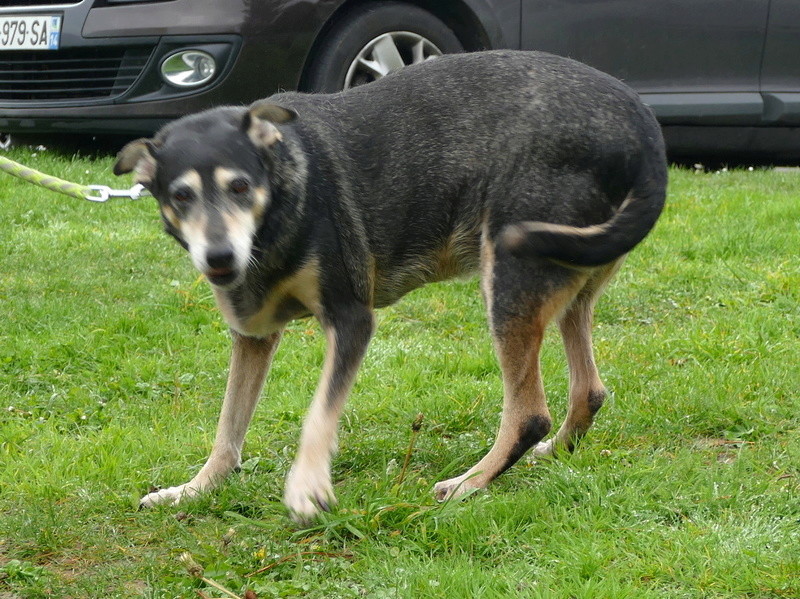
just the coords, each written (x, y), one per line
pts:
(374, 40)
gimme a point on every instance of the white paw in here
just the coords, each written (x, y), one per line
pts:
(308, 490)
(170, 496)
(455, 487)
(545, 449)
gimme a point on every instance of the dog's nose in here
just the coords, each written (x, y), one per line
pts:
(220, 257)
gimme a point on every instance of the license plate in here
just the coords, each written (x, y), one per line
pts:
(34, 32)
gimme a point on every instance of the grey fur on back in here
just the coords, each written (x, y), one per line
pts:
(513, 136)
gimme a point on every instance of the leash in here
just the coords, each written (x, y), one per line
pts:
(93, 193)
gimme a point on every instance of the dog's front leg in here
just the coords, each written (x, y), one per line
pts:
(308, 485)
(250, 360)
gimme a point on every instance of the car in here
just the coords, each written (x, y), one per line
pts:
(721, 75)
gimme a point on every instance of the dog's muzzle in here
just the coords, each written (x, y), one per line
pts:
(221, 265)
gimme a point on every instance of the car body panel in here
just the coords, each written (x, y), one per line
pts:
(500, 21)
(695, 62)
(780, 72)
(178, 17)
(656, 46)
(723, 64)
(707, 108)
(781, 64)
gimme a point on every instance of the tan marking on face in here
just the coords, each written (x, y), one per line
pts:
(240, 228)
(193, 231)
(238, 222)
(260, 198)
(223, 176)
(171, 217)
(193, 225)
(302, 286)
(190, 178)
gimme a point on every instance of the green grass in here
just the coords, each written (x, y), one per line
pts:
(112, 365)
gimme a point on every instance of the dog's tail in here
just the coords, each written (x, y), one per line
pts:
(597, 244)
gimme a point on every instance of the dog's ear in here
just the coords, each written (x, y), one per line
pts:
(259, 122)
(140, 155)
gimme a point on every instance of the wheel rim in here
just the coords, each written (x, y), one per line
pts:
(387, 53)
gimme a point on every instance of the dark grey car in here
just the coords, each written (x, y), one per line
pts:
(723, 76)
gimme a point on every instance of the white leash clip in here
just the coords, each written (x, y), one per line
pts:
(103, 193)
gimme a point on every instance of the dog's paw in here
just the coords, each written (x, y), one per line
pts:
(455, 487)
(545, 449)
(170, 496)
(308, 490)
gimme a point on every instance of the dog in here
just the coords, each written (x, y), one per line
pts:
(538, 172)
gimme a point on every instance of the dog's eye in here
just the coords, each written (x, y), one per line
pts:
(182, 195)
(239, 186)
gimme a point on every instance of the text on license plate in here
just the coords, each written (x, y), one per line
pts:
(21, 32)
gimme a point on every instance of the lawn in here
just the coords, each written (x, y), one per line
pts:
(112, 366)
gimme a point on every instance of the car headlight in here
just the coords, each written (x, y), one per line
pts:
(188, 68)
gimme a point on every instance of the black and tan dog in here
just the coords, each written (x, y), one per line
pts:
(538, 172)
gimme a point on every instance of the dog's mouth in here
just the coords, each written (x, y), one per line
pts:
(221, 276)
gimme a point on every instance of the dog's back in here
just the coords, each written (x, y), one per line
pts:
(491, 138)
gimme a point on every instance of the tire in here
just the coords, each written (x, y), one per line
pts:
(372, 41)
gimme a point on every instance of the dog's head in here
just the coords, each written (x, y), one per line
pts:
(211, 176)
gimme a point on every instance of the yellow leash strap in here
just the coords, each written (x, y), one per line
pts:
(93, 193)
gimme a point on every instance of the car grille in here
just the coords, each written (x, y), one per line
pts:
(70, 74)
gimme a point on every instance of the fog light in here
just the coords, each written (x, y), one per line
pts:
(188, 68)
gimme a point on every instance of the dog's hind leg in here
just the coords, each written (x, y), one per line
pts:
(308, 484)
(521, 303)
(586, 390)
(250, 361)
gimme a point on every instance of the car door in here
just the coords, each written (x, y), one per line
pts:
(694, 61)
(780, 75)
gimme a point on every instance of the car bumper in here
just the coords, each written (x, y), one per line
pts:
(62, 92)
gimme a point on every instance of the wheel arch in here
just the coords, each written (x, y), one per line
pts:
(472, 21)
